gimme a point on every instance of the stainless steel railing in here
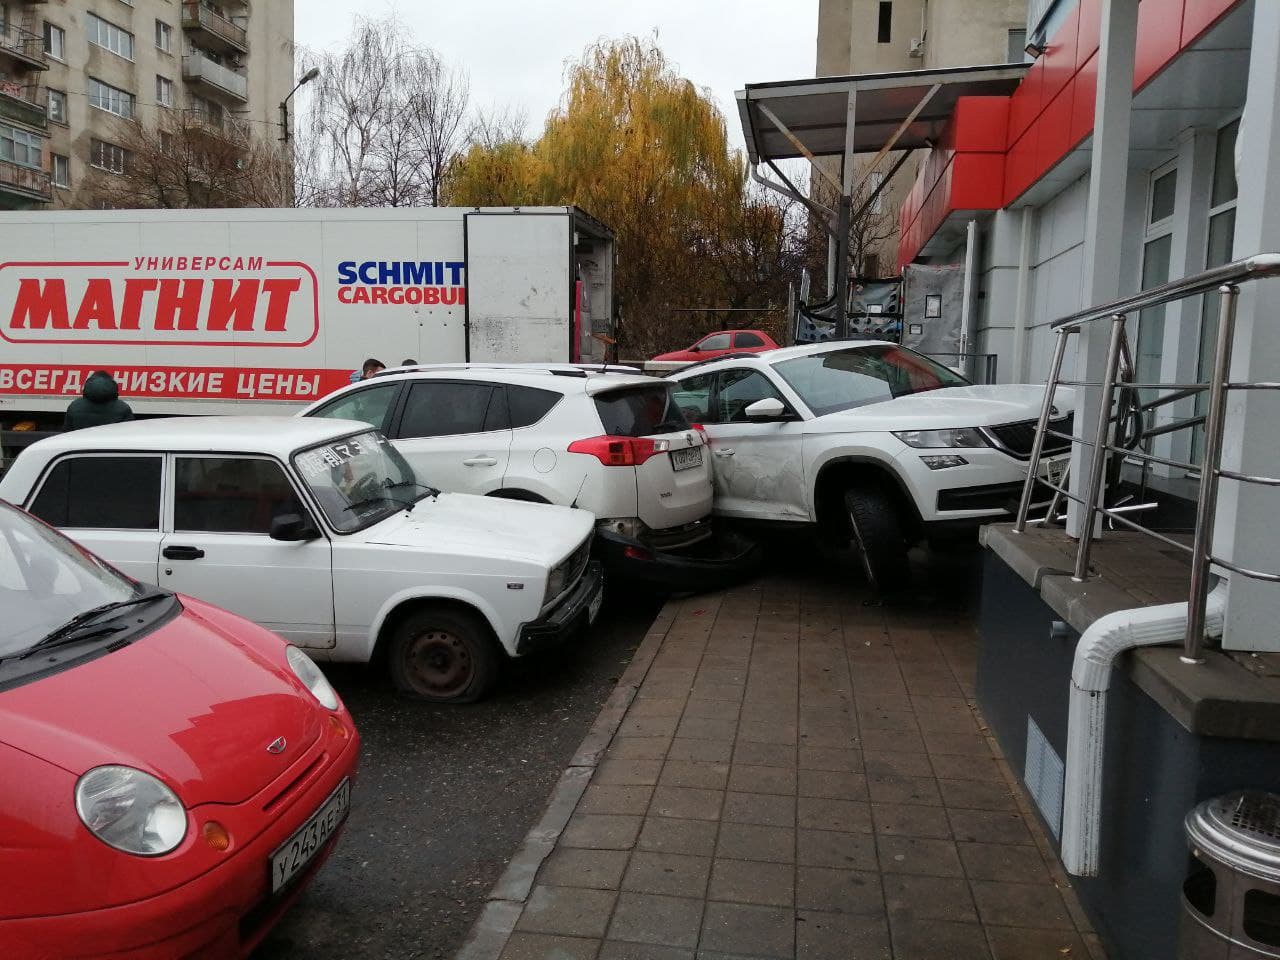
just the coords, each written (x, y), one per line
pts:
(1118, 373)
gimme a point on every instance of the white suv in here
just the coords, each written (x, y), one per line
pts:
(612, 443)
(869, 440)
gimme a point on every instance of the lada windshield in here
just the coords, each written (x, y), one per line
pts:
(359, 480)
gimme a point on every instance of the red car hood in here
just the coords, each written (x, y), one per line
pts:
(195, 702)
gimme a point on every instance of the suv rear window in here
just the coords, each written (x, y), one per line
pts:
(640, 411)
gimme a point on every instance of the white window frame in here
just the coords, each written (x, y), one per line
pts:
(52, 33)
(29, 141)
(57, 160)
(1152, 231)
(55, 116)
(164, 31)
(118, 157)
(103, 96)
(164, 91)
(109, 36)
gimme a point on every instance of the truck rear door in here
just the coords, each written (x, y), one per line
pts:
(520, 292)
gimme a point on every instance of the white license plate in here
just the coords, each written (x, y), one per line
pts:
(309, 839)
(593, 608)
(686, 459)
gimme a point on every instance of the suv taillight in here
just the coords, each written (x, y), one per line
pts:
(702, 432)
(619, 451)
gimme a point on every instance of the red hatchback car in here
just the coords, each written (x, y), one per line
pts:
(718, 344)
(171, 775)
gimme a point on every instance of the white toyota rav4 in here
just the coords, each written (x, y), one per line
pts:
(610, 443)
(871, 441)
(319, 530)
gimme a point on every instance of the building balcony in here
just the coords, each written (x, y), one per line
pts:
(211, 29)
(24, 103)
(22, 186)
(23, 46)
(215, 79)
(224, 128)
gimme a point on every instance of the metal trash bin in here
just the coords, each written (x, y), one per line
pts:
(1231, 900)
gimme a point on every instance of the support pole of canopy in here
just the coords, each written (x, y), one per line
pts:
(843, 221)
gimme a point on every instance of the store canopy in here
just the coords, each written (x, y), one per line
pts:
(778, 119)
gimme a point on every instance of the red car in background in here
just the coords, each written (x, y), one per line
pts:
(171, 775)
(718, 344)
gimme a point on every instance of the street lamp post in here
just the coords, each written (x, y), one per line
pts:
(284, 104)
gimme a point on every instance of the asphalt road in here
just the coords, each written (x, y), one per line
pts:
(445, 796)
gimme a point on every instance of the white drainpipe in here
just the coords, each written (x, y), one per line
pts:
(1096, 652)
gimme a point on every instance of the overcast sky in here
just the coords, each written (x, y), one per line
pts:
(516, 50)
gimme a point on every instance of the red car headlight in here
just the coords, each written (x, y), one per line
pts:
(131, 811)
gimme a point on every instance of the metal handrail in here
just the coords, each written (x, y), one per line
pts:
(1226, 281)
(1241, 271)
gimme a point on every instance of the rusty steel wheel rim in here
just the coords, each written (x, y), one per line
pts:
(439, 663)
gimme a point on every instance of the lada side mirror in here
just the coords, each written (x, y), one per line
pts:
(763, 411)
(291, 528)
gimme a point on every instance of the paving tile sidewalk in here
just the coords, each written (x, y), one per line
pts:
(799, 775)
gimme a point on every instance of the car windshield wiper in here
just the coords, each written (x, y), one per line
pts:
(427, 489)
(80, 627)
(370, 501)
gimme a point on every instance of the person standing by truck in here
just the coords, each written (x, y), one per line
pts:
(99, 403)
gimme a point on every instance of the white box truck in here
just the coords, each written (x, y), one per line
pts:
(259, 311)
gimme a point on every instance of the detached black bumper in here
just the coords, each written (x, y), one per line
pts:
(567, 617)
(723, 559)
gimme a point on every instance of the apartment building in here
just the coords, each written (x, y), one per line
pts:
(72, 72)
(884, 36)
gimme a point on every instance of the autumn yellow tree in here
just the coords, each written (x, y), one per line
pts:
(642, 149)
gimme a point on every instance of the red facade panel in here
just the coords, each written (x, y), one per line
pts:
(1090, 18)
(1020, 169)
(1024, 105)
(1060, 57)
(1159, 38)
(980, 124)
(1199, 15)
(1053, 131)
(1084, 95)
(977, 181)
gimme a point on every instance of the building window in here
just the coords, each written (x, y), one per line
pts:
(1157, 252)
(112, 99)
(55, 41)
(108, 156)
(164, 91)
(1222, 228)
(105, 34)
(22, 147)
(57, 106)
(1017, 46)
(164, 36)
(874, 182)
(884, 29)
(61, 170)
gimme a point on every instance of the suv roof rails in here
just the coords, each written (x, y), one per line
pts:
(553, 369)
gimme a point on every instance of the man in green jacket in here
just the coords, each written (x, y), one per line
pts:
(98, 405)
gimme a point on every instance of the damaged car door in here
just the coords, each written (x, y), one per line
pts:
(756, 459)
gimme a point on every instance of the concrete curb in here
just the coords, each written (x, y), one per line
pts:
(494, 926)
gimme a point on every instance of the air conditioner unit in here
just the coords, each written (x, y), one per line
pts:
(915, 48)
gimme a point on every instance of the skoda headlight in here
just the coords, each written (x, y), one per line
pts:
(955, 437)
(130, 810)
(305, 669)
